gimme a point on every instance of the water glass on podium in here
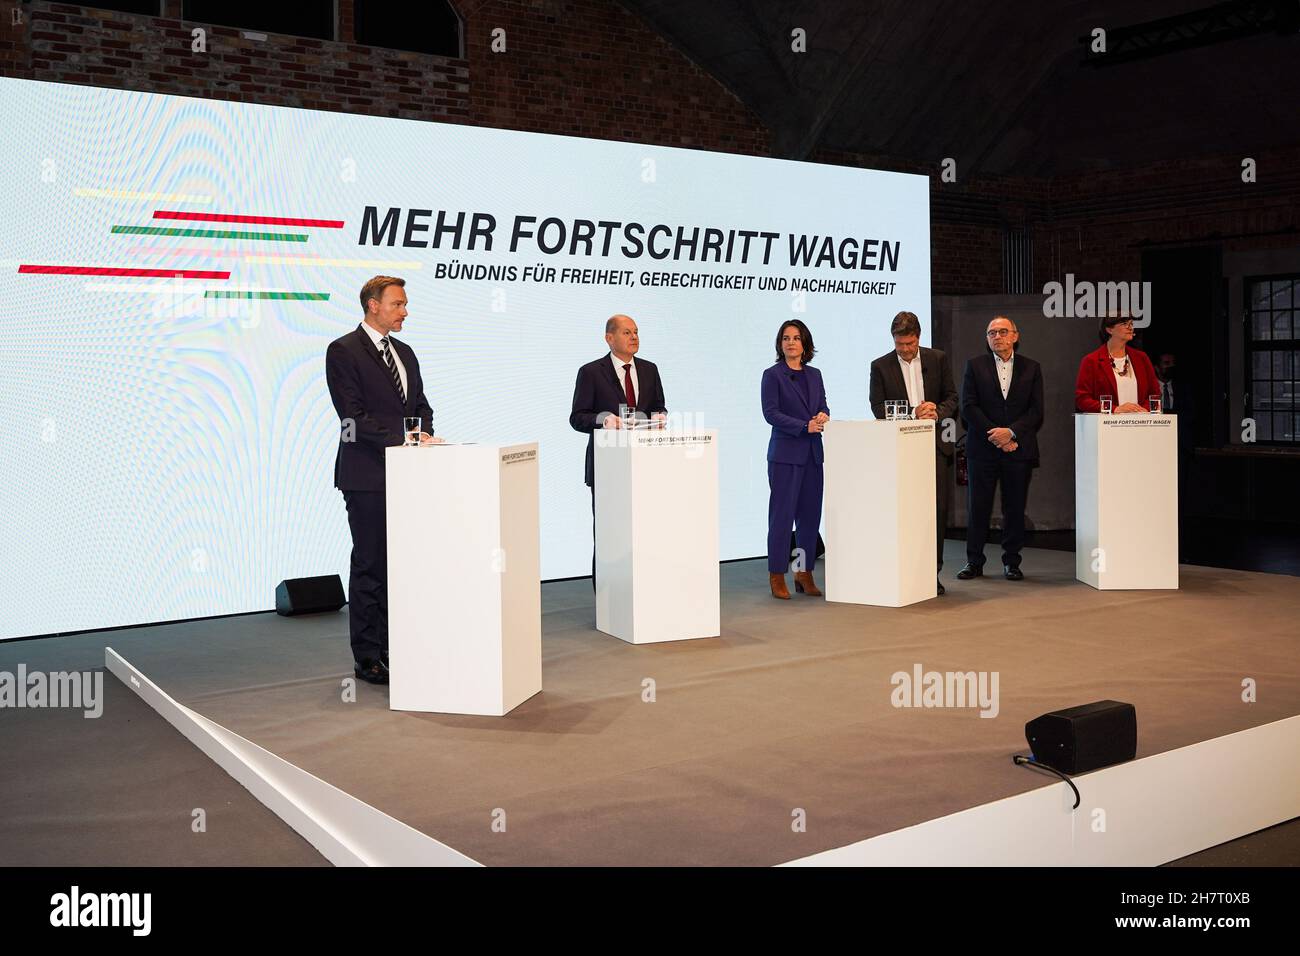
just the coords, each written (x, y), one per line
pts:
(411, 431)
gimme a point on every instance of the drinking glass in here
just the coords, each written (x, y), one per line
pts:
(411, 431)
(1107, 403)
(1153, 404)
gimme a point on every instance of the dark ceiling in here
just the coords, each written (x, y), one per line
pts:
(1000, 86)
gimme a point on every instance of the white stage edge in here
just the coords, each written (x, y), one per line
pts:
(346, 831)
(1142, 813)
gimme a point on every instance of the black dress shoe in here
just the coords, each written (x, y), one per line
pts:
(942, 592)
(970, 571)
(371, 671)
(1012, 574)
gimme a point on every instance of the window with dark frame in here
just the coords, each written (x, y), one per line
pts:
(1273, 358)
(314, 18)
(429, 27)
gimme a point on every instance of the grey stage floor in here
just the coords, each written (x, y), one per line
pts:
(789, 708)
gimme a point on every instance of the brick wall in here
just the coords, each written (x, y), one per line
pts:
(591, 68)
(15, 44)
(578, 67)
(1105, 220)
(71, 44)
(967, 220)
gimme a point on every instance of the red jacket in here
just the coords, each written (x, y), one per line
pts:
(1097, 378)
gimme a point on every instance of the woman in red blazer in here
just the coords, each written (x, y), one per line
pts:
(1123, 373)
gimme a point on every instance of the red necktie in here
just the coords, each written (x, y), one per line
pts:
(627, 386)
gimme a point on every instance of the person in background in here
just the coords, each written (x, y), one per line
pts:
(1176, 399)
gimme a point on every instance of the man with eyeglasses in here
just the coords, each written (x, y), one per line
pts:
(1002, 406)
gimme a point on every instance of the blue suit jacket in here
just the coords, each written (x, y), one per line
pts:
(788, 414)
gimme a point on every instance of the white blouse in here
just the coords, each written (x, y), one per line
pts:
(1128, 384)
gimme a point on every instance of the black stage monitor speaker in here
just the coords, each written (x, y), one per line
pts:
(309, 595)
(1084, 738)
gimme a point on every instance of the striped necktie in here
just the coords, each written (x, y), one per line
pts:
(392, 368)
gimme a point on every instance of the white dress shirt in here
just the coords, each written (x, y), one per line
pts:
(1004, 372)
(401, 369)
(619, 373)
(913, 380)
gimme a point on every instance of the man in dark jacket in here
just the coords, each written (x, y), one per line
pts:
(923, 378)
(615, 379)
(1002, 406)
(374, 382)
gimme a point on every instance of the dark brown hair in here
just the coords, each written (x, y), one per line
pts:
(905, 323)
(808, 350)
(1108, 322)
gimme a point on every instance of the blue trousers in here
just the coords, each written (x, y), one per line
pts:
(795, 500)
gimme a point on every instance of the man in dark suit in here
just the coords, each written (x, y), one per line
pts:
(374, 382)
(1176, 399)
(1002, 406)
(614, 380)
(922, 378)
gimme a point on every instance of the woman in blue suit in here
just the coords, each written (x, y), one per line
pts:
(794, 404)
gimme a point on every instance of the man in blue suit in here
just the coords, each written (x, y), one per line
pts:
(615, 379)
(374, 382)
(1002, 406)
(794, 404)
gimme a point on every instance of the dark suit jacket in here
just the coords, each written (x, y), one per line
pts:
(788, 413)
(983, 407)
(364, 393)
(1184, 406)
(598, 392)
(936, 378)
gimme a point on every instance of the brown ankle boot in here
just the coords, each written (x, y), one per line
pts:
(779, 589)
(804, 584)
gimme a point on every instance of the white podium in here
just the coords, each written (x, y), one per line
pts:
(464, 578)
(879, 512)
(657, 534)
(1126, 501)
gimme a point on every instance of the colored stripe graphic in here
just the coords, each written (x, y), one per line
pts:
(255, 220)
(209, 233)
(136, 194)
(113, 271)
(227, 294)
(267, 258)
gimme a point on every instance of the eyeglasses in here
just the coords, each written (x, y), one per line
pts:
(997, 333)
(1127, 323)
